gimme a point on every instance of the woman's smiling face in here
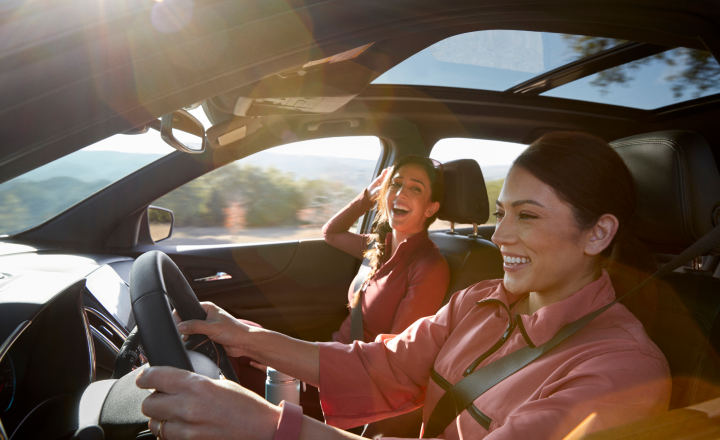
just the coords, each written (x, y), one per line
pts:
(408, 199)
(543, 249)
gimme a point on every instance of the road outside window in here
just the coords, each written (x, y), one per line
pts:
(494, 157)
(285, 193)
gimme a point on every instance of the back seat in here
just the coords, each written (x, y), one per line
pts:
(678, 192)
(471, 258)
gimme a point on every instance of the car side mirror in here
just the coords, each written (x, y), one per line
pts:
(183, 132)
(160, 223)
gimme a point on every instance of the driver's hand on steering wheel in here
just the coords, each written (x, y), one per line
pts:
(195, 406)
(220, 327)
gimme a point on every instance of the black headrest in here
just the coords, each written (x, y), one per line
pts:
(678, 186)
(465, 199)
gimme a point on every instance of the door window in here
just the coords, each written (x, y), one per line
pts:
(494, 158)
(281, 194)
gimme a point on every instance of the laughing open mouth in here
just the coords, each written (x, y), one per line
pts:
(400, 210)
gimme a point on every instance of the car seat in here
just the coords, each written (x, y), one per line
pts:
(471, 258)
(678, 201)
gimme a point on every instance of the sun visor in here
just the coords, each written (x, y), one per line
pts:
(317, 87)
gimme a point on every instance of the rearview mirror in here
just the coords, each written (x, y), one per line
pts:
(183, 132)
(160, 223)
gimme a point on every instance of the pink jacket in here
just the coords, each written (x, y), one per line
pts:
(610, 367)
(408, 286)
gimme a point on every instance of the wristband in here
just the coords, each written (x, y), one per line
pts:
(290, 421)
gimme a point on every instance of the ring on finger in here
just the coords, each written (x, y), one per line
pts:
(160, 430)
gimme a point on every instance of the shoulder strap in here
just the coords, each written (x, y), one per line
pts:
(356, 317)
(461, 395)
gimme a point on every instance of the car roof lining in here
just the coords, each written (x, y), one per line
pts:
(39, 129)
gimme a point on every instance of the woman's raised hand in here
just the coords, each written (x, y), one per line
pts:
(376, 185)
(220, 327)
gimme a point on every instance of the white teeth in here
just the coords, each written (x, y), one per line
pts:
(516, 260)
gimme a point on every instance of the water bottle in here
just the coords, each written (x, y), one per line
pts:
(279, 386)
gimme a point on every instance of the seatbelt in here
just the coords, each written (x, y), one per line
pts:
(356, 317)
(461, 396)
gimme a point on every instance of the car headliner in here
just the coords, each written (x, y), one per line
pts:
(77, 72)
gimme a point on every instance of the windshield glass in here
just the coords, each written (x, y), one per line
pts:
(41, 194)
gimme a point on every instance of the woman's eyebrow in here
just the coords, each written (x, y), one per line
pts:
(418, 181)
(520, 202)
(526, 202)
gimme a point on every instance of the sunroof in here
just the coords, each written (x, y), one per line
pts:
(670, 77)
(492, 60)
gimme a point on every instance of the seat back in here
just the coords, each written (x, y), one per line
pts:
(470, 257)
(678, 193)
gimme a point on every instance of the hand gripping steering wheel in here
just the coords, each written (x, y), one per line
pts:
(155, 279)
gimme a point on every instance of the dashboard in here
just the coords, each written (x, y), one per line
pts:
(63, 319)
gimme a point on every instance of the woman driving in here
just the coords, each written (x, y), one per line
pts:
(563, 230)
(408, 276)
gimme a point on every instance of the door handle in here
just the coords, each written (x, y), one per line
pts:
(217, 277)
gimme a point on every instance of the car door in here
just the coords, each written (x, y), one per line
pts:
(248, 236)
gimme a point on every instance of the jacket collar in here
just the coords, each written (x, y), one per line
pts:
(407, 246)
(546, 322)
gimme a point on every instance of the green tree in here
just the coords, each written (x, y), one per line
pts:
(697, 70)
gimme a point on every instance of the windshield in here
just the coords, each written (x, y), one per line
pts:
(41, 194)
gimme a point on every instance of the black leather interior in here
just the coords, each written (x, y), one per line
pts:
(678, 187)
(471, 258)
(465, 198)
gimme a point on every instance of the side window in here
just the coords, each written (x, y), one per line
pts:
(494, 158)
(284, 193)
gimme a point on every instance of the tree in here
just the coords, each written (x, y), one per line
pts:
(696, 70)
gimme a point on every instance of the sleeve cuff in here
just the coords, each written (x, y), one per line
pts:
(290, 422)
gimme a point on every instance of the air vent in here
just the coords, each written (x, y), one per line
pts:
(105, 330)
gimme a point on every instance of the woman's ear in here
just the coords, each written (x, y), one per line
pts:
(432, 209)
(602, 234)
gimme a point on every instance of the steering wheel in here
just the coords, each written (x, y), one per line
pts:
(155, 279)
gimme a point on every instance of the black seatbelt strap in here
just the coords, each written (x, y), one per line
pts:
(356, 317)
(461, 396)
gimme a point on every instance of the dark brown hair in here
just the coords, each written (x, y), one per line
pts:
(590, 176)
(381, 224)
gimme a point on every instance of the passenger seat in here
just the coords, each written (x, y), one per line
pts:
(678, 193)
(471, 258)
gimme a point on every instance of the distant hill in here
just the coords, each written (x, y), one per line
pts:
(355, 173)
(109, 166)
(495, 172)
(91, 166)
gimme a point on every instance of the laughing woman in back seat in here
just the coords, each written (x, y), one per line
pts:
(564, 216)
(408, 276)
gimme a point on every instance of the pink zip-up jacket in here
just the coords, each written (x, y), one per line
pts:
(610, 367)
(408, 286)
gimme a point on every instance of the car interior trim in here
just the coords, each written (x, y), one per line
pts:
(121, 333)
(89, 339)
(3, 435)
(5, 347)
(104, 339)
(30, 414)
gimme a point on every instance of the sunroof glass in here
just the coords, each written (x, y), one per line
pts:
(668, 78)
(492, 60)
